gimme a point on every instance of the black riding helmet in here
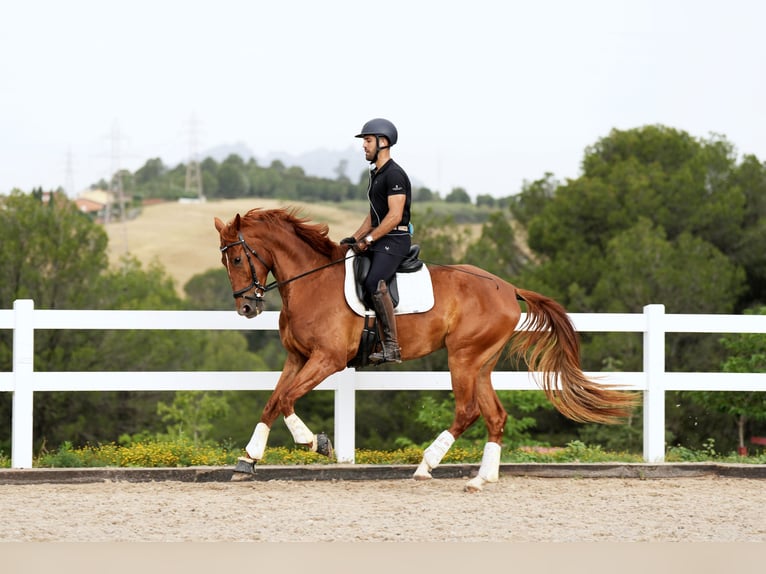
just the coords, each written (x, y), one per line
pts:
(380, 127)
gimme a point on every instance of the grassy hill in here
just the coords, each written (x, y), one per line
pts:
(182, 238)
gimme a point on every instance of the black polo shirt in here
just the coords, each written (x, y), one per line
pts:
(388, 180)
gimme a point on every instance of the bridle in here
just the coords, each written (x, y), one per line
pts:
(260, 289)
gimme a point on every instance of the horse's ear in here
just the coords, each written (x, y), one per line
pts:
(219, 225)
(237, 220)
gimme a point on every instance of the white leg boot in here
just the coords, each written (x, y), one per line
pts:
(257, 445)
(301, 433)
(489, 471)
(433, 455)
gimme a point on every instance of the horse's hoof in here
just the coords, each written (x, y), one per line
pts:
(422, 472)
(476, 484)
(245, 469)
(324, 446)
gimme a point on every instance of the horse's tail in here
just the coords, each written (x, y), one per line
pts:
(548, 342)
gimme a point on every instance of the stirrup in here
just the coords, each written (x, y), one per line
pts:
(384, 357)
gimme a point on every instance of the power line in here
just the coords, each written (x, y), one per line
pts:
(116, 188)
(69, 181)
(193, 187)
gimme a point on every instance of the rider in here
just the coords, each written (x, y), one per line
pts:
(384, 233)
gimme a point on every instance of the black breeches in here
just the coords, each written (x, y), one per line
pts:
(386, 255)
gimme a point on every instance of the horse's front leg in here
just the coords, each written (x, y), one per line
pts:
(298, 377)
(257, 445)
(314, 371)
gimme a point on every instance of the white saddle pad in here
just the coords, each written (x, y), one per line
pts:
(416, 293)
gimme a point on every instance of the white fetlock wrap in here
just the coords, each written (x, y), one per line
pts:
(422, 472)
(257, 444)
(299, 430)
(434, 454)
(490, 462)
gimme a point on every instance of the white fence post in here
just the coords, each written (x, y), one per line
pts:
(654, 395)
(345, 415)
(23, 390)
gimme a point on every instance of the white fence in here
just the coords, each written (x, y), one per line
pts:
(23, 381)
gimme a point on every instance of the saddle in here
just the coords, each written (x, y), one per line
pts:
(411, 292)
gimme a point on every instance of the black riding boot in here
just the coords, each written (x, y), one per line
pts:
(384, 310)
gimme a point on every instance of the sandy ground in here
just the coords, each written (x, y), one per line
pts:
(517, 509)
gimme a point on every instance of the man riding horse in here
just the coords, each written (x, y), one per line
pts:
(384, 234)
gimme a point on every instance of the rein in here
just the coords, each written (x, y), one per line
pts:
(263, 289)
(452, 267)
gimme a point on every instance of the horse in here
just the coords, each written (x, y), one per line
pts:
(474, 315)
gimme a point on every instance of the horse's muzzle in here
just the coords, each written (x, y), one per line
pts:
(251, 308)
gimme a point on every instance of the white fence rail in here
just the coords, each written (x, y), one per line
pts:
(23, 381)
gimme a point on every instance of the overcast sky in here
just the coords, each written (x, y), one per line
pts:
(485, 94)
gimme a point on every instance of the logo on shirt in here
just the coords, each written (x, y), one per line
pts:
(397, 187)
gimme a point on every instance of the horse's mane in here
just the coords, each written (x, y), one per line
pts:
(314, 234)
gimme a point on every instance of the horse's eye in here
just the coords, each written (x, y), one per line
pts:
(237, 260)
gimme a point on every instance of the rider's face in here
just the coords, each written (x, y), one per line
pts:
(369, 145)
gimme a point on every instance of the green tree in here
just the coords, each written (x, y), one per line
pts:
(750, 242)
(746, 354)
(485, 200)
(234, 160)
(679, 186)
(533, 198)
(424, 194)
(210, 184)
(497, 250)
(209, 290)
(192, 414)
(151, 171)
(51, 252)
(657, 216)
(441, 241)
(688, 275)
(231, 181)
(458, 195)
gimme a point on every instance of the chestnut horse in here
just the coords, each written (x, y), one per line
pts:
(474, 316)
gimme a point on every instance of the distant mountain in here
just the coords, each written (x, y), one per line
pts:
(320, 162)
(324, 163)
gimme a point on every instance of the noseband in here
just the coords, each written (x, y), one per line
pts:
(260, 289)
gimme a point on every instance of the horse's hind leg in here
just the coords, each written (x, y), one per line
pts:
(433, 455)
(495, 417)
(466, 413)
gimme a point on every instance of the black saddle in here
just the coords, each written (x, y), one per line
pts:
(362, 265)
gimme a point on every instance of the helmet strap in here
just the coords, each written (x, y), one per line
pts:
(378, 147)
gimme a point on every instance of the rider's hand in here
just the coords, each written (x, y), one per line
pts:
(348, 241)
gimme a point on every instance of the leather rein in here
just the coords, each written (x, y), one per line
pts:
(260, 289)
